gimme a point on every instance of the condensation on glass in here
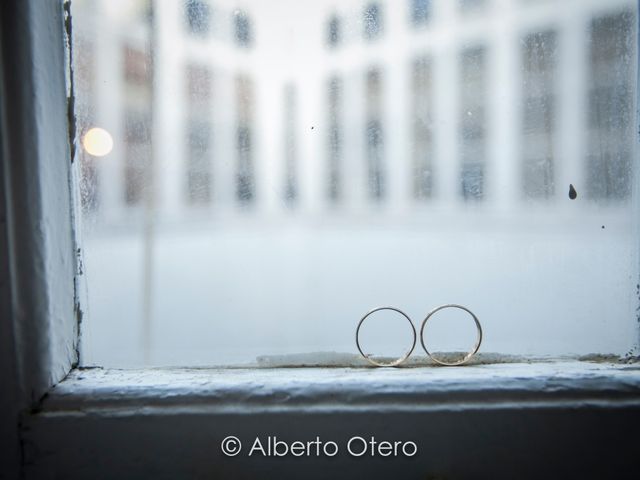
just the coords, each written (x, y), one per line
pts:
(474, 6)
(473, 122)
(333, 31)
(422, 116)
(374, 133)
(136, 121)
(420, 10)
(290, 144)
(245, 185)
(373, 20)
(334, 138)
(280, 168)
(539, 94)
(199, 133)
(197, 14)
(610, 111)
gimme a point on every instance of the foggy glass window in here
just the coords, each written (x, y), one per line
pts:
(372, 20)
(242, 205)
(290, 145)
(472, 6)
(422, 118)
(136, 66)
(137, 154)
(197, 15)
(136, 91)
(374, 135)
(473, 122)
(539, 113)
(334, 149)
(333, 31)
(199, 146)
(199, 163)
(420, 11)
(199, 84)
(85, 107)
(610, 107)
(89, 193)
(242, 26)
(375, 147)
(245, 187)
(134, 173)
(137, 127)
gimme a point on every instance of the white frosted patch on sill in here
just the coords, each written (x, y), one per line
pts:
(341, 359)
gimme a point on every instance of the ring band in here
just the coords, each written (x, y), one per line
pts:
(399, 360)
(471, 352)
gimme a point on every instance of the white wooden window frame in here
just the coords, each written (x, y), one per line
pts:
(559, 419)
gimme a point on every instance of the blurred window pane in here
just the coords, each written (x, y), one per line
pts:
(372, 21)
(539, 92)
(257, 191)
(242, 27)
(199, 81)
(335, 167)
(375, 134)
(420, 11)
(136, 71)
(422, 106)
(199, 163)
(137, 154)
(245, 187)
(473, 6)
(473, 125)
(610, 107)
(199, 84)
(333, 31)
(290, 145)
(197, 13)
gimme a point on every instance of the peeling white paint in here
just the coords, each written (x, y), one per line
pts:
(516, 385)
(565, 419)
(39, 334)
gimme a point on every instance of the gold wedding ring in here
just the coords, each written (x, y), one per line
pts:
(470, 353)
(396, 362)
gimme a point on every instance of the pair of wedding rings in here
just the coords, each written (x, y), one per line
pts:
(402, 359)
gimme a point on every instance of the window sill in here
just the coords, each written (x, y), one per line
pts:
(343, 389)
(565, 419)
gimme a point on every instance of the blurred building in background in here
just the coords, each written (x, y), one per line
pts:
(413, 112)
(416, 104)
